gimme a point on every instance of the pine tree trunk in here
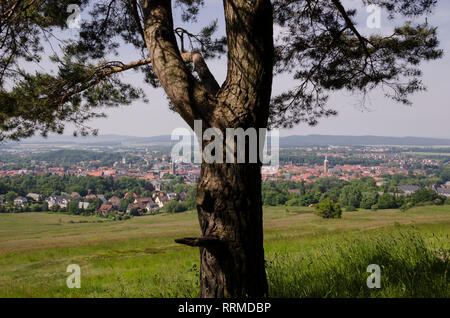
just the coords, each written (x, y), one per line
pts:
(228, 195)
(230, 216)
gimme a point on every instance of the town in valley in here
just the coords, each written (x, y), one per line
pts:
(94, 175)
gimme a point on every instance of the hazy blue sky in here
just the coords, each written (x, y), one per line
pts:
(428, 117)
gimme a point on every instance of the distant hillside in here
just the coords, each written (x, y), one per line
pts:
(95, 140)
(324, 140)
(290, 141)
(70, 157)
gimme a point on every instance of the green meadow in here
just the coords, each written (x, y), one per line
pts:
(307, 256)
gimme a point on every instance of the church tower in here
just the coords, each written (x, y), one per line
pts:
(325, 166)
(173, 169)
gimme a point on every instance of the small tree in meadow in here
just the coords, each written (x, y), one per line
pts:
(328, 209)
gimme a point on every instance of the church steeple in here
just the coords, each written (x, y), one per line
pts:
(325, 166)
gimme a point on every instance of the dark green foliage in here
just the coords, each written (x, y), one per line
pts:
(321, 47)
(190, 200)
(135, 212)
(423, 195)
(124, 203)
(328, 209)
(406, 206)
(72, 208)
(368, 199)
(51, 184)
(43, 102)
(445, 175)
(174, 207)
(275, 193)
(10, 196)
(71, 157)
(35, 207)
(387, 201)
(311, 159)
(324, 51)
(350, 197)
(273, 198)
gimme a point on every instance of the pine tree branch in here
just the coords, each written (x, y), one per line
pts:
(350, 24)
(208, 242)
(202, 69)
(189, 97)
(101, 72)
(196, 58)
(137, 18)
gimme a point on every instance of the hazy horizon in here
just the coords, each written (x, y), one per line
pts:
(287, 135)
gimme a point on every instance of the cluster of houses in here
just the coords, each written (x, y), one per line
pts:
(150, 204)
(410, 189)
(19, 201)
(445, 191)
(143, 205)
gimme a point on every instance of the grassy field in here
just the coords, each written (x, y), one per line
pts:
(306, 256)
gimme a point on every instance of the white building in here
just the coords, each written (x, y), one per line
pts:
(83, 205)
(443, 191)
(57, 200)
(34, 196)
(325, 166)
(20, 201)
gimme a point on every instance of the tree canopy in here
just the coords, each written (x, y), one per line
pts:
(320, 46)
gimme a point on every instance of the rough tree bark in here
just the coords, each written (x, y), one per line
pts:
(229, 194)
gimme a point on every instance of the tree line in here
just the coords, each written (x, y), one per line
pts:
(357, 194)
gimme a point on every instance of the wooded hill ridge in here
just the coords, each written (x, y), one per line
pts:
(288, 141)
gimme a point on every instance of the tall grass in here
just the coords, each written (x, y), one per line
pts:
(307, 255)
(410, 267)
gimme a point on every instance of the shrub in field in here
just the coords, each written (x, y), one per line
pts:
(135, 212)
(409, 268)
(328, 209)
(440, 200)
(174, 207)
(406, 206)
(36, 207)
